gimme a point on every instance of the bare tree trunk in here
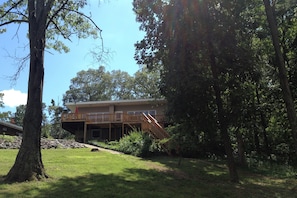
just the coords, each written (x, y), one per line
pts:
(256, 140)
(283, 78)
(240, 145)
(264, 125)
(223, 127)
(28, 164)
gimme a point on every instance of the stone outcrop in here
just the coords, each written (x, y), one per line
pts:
(45, 143)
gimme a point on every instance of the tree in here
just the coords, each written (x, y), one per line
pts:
(282, 71)
(147, 84)
(98, 85)
(1, 100)
(55, 128)
(4, 116)
(90, 85)
(20, 114)
(203, 49)
(121, 85)
(46, 19)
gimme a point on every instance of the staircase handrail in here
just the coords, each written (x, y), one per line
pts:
(161, 130)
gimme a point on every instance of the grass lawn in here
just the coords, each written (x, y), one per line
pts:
(81, 173)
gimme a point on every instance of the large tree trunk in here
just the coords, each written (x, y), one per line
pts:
(28, 165)
(264, 125)
(224, 127)
(240, 145)
(283, 78)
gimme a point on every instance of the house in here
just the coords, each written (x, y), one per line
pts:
(111, 120)
(7, 128)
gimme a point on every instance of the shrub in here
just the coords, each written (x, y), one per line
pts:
(7, 138)
(136, 143)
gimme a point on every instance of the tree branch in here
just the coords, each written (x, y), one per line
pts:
(12, 7)
(21, 62)
(62, 33)
(55, 14)
(14, 21)
(100, 58)
(89, 18)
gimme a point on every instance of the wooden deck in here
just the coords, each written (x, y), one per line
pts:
(148, 123)
(97, 118)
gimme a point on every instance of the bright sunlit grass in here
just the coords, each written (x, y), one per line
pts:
(81, 173)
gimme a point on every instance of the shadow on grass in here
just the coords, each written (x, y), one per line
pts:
(214, 174)
(200, 179)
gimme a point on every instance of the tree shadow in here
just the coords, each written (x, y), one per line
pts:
(130, 183)
(215, 175)
(199, 179)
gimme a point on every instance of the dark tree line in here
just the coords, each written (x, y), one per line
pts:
(223, 76)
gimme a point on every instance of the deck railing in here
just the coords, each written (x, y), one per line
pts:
(104, 117)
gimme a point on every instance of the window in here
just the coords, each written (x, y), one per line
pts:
(118, 116)
(151, 112)
(99, 117)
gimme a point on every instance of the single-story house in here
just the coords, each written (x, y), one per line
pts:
(7, 128)
(111, 120)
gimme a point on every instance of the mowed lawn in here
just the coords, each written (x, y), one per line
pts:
(81, 173)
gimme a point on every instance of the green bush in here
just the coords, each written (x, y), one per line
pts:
(136, 143)
(7, 138)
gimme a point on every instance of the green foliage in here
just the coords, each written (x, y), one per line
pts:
(63, 20)
(136, 143)
(5, 116)
(99, 84)
(7, 138)
(270, 165)
(1, 100)
(54, 128)
(45, 130)
(112, 145)
(185, 38)
(20, 114)
(186, 142)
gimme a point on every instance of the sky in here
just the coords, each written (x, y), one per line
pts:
(120, 32)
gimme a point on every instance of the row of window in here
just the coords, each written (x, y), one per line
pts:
(151, 112)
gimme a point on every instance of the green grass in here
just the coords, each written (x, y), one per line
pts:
(81, 173)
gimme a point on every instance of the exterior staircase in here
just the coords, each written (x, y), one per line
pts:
(150, 125)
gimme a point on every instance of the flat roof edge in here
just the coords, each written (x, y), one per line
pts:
(113, 102)
(14, 126)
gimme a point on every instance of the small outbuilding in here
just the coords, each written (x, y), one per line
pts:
(7, 128)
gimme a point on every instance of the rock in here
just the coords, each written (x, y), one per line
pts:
(45, 143)
(94, 150)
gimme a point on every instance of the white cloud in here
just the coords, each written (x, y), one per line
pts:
(13, 98)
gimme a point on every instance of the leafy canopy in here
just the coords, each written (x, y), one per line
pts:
(64, 20)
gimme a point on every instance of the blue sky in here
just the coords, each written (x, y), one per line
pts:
(119, 31)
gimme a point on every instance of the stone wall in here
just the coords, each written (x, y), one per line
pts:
(45, 143)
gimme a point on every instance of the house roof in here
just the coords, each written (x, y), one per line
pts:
(10, 125)
(72, 106)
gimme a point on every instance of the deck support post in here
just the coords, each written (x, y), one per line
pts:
(109, 131)
(123, 129)
(85, 132)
